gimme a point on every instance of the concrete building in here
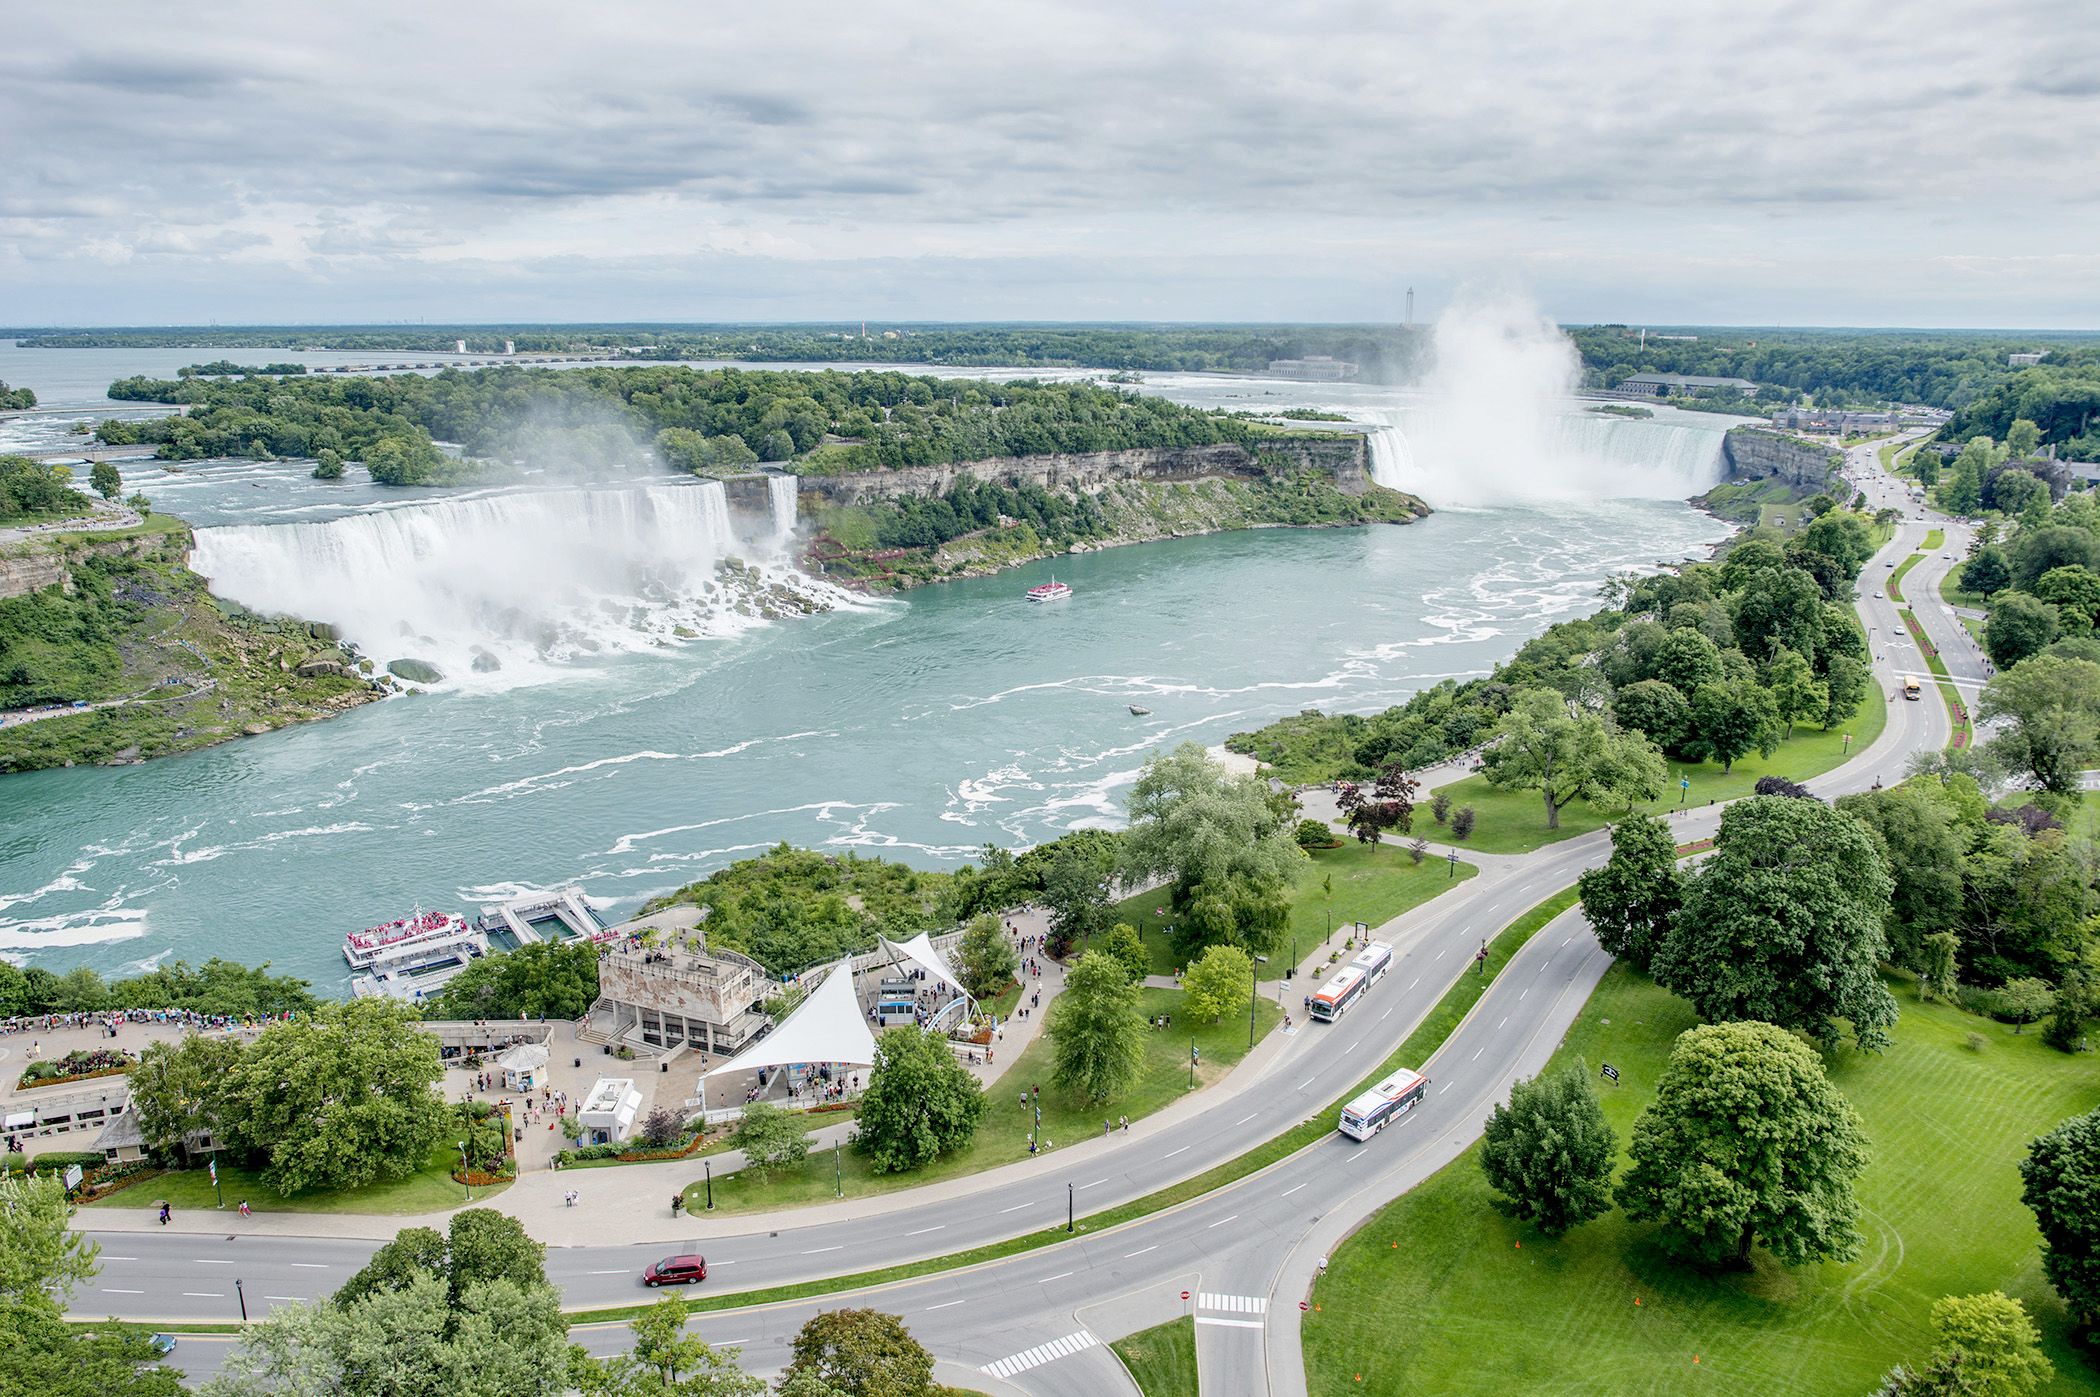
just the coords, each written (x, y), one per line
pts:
(660, 986)
(1818, 419)
(608, 1114)
(2026, 361)
(1684, 385)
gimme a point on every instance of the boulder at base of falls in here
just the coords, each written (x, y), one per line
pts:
(485, 661)
(416, 671)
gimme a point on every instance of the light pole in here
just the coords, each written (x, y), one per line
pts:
(1453, 856)
(707, 1166)
(1253, 994)
(1068, 1209)
(1192, 1062)
(838, 1169)
(243, 1296)
(466, 1174)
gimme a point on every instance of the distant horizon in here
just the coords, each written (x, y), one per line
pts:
(1423, 324)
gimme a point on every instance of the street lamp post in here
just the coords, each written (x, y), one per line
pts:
(838, 1169)
(1253, 994)
(1453, 857)
(1068, 1209)
(466, 1173)
(243, 1297)
(707, 1167)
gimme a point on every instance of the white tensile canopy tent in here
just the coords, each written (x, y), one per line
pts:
(919, 952)
(827, 1027)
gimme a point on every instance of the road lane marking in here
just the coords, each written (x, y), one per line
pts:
(1234, 1304)
(924, 1230)
(1230, 1323)
(1015, 1208)
(1291, 1190)
(1504, 1024)
(1041, 1354)
(1097, 1181)
(292, 1299)
(943, 1305)
(1387, 1014)
(107, 1257)
(1306, 1083)
(1058, 1277)
(1222, 1221)
(205, 1294)
(1171, 1153)
(112, 1290)
(311, 1265)
(1140, 1251)
(1418, 980)
(208, 1261)
(1248, 1117)
(1477, 1052)
(814, 1250)
(616, 1271)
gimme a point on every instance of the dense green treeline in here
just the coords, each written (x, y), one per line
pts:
(699, 420)
(217, 987)
(1710, 661)
(16, 399)
(32, 490)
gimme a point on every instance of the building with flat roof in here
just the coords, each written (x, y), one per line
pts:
(608, 1113)
(1314, 368)
(661, 986)
(1684, 385)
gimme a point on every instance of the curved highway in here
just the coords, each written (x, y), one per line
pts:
(1246, 1253)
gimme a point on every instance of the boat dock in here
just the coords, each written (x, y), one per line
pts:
(561, 915)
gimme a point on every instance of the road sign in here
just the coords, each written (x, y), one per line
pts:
(1611, 1071)
(1304, 1304)
(1184, 1295)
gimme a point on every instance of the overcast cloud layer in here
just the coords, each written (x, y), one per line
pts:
(1838, 162)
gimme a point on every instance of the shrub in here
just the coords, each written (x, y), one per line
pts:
(1417, 849)
(1975, 1042)
(1462, 822)
(1312, 834)
(661, 1128)
(1440, 806)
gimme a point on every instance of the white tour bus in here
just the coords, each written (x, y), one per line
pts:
(1381, 1105)
(1374, 960)
(1335, 997)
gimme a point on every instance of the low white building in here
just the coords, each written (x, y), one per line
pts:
(608, 1114)
(523, 1066)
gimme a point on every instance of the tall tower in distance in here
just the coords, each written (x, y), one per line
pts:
(1410, 308)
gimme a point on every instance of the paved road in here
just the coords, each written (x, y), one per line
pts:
(1247, 1253)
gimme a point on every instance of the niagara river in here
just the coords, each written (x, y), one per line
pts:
(636, 730)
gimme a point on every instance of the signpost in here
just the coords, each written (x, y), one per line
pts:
(1684, 788)
(1611, 1073)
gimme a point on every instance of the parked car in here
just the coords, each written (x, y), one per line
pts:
(683, 1269)
(163, 1344)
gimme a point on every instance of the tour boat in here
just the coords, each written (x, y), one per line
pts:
(424, 935)
(1137, 712)
(1053, 590)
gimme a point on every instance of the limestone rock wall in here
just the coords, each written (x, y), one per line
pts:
(1753, 453)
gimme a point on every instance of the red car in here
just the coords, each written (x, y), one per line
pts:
(676, 1270)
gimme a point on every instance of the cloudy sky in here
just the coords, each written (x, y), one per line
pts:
(1850, 162)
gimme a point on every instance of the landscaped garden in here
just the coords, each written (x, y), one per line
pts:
(1494, 1306)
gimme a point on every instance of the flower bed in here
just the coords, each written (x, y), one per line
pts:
(80, 1065)
(479, 1179)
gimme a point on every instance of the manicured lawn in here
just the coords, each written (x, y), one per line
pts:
(1951, 591)
(429, 1190)
(1372, 884)
(1492, 1306)
(1934, 538)
(1162, 1359)
(1003, 1135)
(1513, 822)
(1895, 583)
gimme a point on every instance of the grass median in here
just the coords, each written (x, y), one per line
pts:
(1162, 1359)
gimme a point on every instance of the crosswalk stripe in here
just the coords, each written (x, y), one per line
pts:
(1234, 1304)
(1041, 1354)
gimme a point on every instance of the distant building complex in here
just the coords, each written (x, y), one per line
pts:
(1314, 368)
(670, 990)
(1684, 385)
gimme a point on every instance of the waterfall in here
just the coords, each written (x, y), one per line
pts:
(508, 586)
(1566, 453)
(780, 494)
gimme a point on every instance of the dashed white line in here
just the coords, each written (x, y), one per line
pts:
(112, 1290)
(1140, 1251)
(1058, 1277)
(1222, 1221)
(311, 1265)
(1248, 1117)
(943, 1305)
(209, 1261)
(1306, 1083)
(814, 1250)
(1094, 1184)
(937, 1227)
(1291, 1190)
(205, 1294)
(1418, 980)
(291, 1299)
(1171, 1153)
(107, 1257)
(1504, 1024)
(616, 1271)
(1478, 1051)
(1387, 1014)
(1015, 1208)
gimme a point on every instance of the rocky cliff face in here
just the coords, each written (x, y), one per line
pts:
(1345, 458)
(32, 566)
(1753, 453)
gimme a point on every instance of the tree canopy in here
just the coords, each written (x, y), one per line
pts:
(1549, 1152)
(920, 1103)
(2060, 1181)
(1747, 1142)
(1631, 899)
(1097, 1034)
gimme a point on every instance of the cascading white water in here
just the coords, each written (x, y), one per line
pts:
(507, 586)
(780, 495)
(1499, 424)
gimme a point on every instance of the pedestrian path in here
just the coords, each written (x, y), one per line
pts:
(1042, 1353)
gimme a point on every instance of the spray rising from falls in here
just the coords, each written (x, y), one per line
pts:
(508, 587)
(1499, 424)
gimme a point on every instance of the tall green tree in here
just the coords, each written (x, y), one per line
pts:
(1632, 897)
(1566, 757)
(667, 1360)
(1987, 572)
(1924, 841)
(1127, 946)
(2019, 626)
(341, 1101)
(1214, 836)
(1987, 1347)
(175, 1088)
(770, 1138)
(107, 480)
(1784, 923)
(42, 1258)
(2049, 709)
(481, 1245)
(1217, 983)
(1097, 1034)
(862, 1353)
(2060, 1181)
(921, 1103)
(1549, 1152)
(1795, 692)
(1747, 1142)
(985, 958)
(1733, 719)
(1078, 890)
(546, 979)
